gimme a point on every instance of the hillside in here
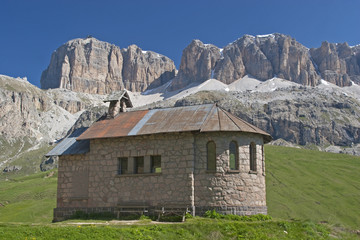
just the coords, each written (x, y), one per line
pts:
(307, 184)
(301, 184)
(32, 119)
(298, 114)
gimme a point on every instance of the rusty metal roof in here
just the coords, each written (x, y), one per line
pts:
(117, 127)
(202, 118)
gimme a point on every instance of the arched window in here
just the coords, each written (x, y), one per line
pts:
(233, 155)
(252, 151)
(211, 155)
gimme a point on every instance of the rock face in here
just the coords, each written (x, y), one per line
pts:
(300, 115)
(265, 57)
(74, 102)
(262, 57)
(92, 66)
(144, 69)
(338, 63)
(49, 163)
(197, 63)
(268, 56)
(31, 118)
(12, 169)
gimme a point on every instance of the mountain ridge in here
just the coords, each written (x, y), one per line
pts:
(303, 110)
(93, 66)
(97, 67)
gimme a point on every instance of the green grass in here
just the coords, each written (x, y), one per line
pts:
(304, 187)
(197, 228)
(29, 160)
(319, 186)
(28, 199)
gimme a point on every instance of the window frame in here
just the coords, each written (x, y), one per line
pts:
(120, 166)
(236, 155)
(152, 159)
(211, 163)
(253, 157)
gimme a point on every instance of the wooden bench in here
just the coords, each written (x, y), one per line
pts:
(172, 209)
(131, 208)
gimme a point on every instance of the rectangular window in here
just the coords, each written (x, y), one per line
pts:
(155, 164)
(138, 165)
(123, 165)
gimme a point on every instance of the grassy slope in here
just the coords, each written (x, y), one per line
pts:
(301, 184)
(313, 185)
(21, 154)
(198, 228)
(28, 199)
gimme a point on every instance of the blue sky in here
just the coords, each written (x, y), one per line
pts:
(31, 30)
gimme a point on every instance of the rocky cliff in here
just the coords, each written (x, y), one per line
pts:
(197, 63)
(268, 56)
(31, 119)
(338, 63)
(304, 116)
(92, 66)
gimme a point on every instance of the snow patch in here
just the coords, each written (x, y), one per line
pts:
(266, 35)
(324, 82)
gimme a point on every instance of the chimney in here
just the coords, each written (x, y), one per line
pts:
(122, 106)
(119, 102)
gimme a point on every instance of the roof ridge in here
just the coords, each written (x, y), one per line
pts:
(179, 107)
(218, 116)
(207, 116)
(256, 129)
(230, 118)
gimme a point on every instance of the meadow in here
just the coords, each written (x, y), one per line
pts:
(310, 195)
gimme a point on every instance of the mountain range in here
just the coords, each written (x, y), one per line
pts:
(304, 96)
(92, 66)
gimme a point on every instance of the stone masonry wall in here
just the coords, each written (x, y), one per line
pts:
(91, 181)
(106, 188)
(229, 191)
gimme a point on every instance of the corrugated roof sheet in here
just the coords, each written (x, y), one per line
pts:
(203, 118)
(69, 145)
(117, 127)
